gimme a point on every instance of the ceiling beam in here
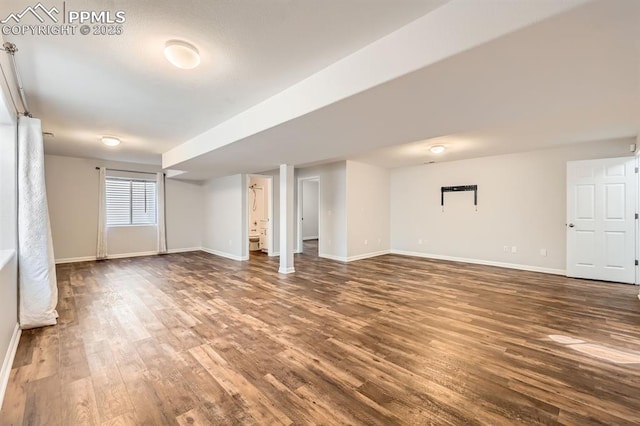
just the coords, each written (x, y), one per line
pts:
(455, 27)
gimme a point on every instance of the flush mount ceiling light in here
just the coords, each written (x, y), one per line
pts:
(110, 141)
(437, 149)
(182, 54)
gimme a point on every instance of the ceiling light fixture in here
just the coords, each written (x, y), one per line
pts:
(437, 149)
(110, 141)
(182, 54)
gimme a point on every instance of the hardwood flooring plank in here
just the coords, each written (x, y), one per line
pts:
(146, 404)
(15, 398)
(80, 404)
(44, 404)
(235, 384)
(113, 400)
(127, 419)
(192, 338)
(195, 417)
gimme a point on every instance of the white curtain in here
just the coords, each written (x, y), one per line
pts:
(36, 262)
(162, 228)
(101, 249)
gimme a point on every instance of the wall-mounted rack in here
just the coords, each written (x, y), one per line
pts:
(459, 188)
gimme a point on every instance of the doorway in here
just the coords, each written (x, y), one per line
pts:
(308, 230)
(601, 219)
(259, 215)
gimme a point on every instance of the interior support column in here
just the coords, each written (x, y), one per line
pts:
(287, 219)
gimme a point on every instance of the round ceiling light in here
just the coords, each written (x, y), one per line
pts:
(182, 54)
(110, 141)
(437, 149)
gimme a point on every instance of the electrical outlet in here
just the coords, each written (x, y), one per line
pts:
(379, 241)
(366, 242)
(420, 241)
(543, 252)
(505, 249)
(514, 249)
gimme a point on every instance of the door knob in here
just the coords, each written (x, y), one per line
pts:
(571, 225)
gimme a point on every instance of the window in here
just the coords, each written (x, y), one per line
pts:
(130, 202)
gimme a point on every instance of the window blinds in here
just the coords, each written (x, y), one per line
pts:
(130, 202)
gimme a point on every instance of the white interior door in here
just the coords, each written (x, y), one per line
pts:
(601, 224)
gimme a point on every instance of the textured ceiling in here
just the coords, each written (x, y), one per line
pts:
(568, 79)
(571, 78)
(83, 87)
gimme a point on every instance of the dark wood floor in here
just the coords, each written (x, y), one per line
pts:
(196, 339)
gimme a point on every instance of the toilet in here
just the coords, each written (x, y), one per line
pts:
(254, 240)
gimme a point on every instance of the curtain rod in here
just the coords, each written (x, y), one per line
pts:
(127, 171)
(11, 50)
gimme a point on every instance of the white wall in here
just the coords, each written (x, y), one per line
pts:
(8, 247)
(332, 219)
(354, 209)
(332, 242)
(368, 212)
(72, 193)
(9, 331)
(8, 193)
(310, 209)
(184, 209)
(331, 194)
(225, 214)
(521, 203)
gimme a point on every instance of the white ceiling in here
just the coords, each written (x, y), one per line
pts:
(574, 77)
(83, 87)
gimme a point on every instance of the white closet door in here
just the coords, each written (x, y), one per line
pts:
(601, 224)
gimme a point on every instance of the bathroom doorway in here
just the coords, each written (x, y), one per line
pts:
(260, 215)
(308, 215)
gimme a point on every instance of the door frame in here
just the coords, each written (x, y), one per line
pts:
(299, 240)
(637, 227)
(270, 245)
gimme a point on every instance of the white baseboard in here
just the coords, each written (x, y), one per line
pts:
(151, 253)
(5, 372)
(75, 259)
(481, 262)
(110, 256)
(124, 255)
(338, 258)
(289, 270)
(332, 257)
(368, 255)
(184, 250)
(275, 253)
(224, 254)
(354, 258)
(309, 238)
